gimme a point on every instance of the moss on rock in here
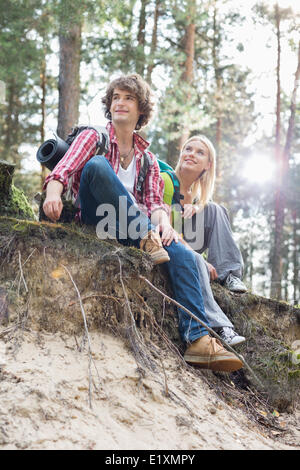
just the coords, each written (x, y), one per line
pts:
(13, 201)
(19, 204)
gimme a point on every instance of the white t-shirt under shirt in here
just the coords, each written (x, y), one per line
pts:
(127, 176)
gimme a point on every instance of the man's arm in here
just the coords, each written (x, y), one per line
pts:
(81, 150)
(53, 204)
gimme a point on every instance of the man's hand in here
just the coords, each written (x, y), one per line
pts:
(53, 205)
(161, 220)
(168, 234)
(212, 271)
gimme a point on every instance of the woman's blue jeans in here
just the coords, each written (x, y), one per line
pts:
(100, 185)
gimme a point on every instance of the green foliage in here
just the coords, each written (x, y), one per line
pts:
(20, 56)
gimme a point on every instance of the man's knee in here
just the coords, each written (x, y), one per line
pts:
(96, 167)
(179, 253)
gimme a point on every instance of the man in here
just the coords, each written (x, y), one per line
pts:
(101, 180)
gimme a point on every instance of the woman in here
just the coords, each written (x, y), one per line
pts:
(195, 173)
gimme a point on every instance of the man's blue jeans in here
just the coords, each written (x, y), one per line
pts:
(99, 184)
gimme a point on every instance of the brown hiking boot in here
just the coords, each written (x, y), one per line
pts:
(152, 245)
(208, 353)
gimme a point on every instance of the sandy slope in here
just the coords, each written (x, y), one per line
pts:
(44, 392)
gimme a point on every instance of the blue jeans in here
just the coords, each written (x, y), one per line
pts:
(99, 184)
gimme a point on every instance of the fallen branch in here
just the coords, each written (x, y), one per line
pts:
(213, 333)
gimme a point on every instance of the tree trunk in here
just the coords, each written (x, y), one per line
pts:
(153, 41)
(187, 76)
(69, 78)
(140, 63)
(43, 112)
(10, 143)
(218, 100)
(285, 270)
(189, 49)
(278, 100)
(295, 258)
(9, 116)
(280, 198)
(291, 126)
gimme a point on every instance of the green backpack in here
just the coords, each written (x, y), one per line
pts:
(172, 186)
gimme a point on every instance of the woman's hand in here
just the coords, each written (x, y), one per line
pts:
(189, 210)
(212, 271)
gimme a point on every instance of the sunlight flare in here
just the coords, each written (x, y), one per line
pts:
(259, 168)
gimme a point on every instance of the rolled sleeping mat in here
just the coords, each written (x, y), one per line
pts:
(51, 151)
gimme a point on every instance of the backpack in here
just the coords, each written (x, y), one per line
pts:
(52, 151)
(103, 142)
(172, 186)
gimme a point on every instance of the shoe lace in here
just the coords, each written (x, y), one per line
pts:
(216, 345)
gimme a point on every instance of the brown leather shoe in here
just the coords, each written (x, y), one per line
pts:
(208, 353)
(152, 245)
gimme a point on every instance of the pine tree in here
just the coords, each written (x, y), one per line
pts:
(19, 58)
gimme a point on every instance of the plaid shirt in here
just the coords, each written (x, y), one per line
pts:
(68, 170)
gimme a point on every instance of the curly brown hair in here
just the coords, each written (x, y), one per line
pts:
(137, 85)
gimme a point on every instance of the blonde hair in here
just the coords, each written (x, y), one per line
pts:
(202, 188)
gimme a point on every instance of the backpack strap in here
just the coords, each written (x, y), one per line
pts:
(146, 162)
(103, 142)
(163, 166)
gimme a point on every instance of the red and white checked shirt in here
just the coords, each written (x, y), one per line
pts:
(68, 170)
